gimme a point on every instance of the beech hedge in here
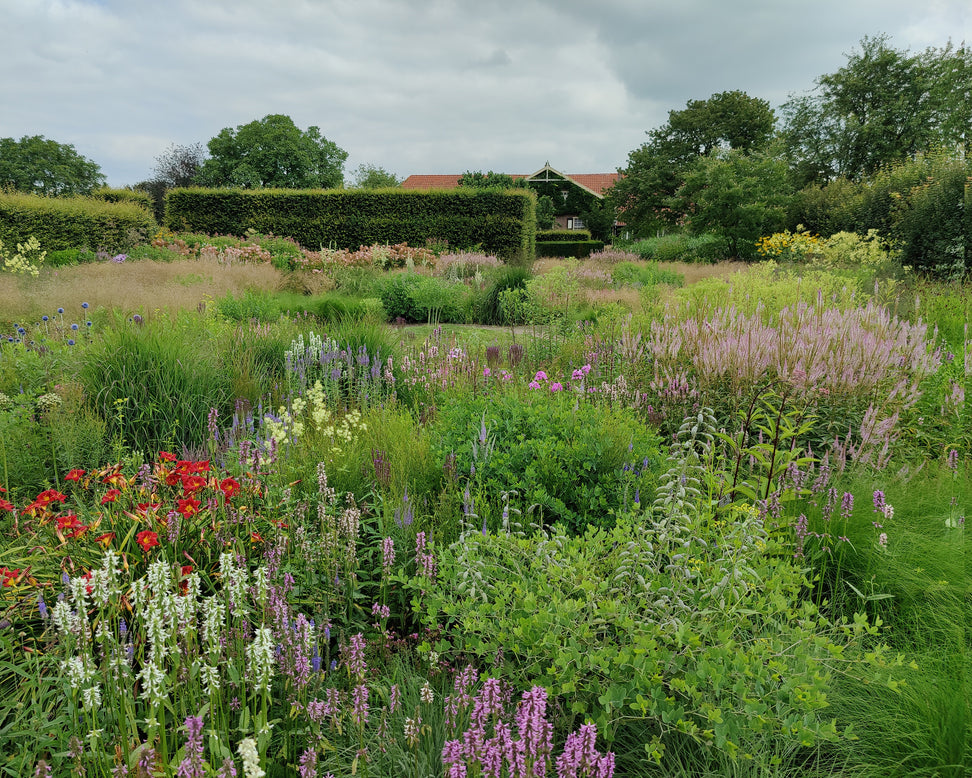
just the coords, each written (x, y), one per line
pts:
(61, 223)
(500, 222)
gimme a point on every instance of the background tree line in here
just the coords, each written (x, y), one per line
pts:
(882, 143)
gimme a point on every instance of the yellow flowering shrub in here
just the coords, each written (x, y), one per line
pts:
(26, 260)
(789, 246)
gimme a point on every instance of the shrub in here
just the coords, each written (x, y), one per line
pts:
(574, 248)
(563, 236)
(680, 247)
(680, 637)
(488, 306)
(577, 466)
(416, 298)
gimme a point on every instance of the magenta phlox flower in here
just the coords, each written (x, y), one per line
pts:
(556, 386)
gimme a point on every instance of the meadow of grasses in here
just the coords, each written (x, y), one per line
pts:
(267, 511)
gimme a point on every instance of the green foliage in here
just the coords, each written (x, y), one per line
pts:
(418, 298)
(273, 152)
(680, 636)
(73, 223)
(501, 222)
(34, 164)
(578, 249)
(644, 275)
(656, 169)
(546, 213)
(736, 196)
(577, 466)
(933, 224)
(490, 180)
(562, 236)
(123, 196)
(680, 247)
(884, 106)
(155, 382)
(374, 177)
(488, 308)
(918, 204)
(270, 306)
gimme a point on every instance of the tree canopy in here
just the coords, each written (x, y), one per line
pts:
(655, 171)
(273, 152)
(374, 177)
(883, 106)
(482, 180)
(35, 164)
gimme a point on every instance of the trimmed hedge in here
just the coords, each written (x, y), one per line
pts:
(124, 196)
(500, 222)
(546, 236)
(73, 222)
(569, 248)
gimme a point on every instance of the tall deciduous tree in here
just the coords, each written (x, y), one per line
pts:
(737, 196)
(374, 177)
(35, 164)
(655, 171)
(273, 152)
(176, 166)
(883, 106)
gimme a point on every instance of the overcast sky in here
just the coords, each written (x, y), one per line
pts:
(421, 86)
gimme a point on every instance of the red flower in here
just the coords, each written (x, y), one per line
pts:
(188, 507)
(116, 479)
(9, 576)
(67, 522)
(74, 475)
(255, 537)
(200, 467)
(186, 569)
(230, 486)
(48, 496)
(147, 539)
(6, 506)
(145, 507)
(110, 496)
(77, 531)
(192, 484)
(165, 456)
(106, 538)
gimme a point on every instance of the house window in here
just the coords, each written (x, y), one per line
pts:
(578, 224)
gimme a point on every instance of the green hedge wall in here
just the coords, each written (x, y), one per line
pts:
(73, 222)
(501, 222)
(569, 248)
(124, 196)
(563, 236)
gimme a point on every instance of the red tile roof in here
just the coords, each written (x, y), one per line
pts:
(597, 182)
